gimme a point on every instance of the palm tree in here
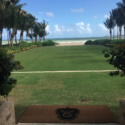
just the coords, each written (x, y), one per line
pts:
(119, 20)
(3, 18)
(36, 30)
(22, 27)
(44, 25)
(30, 22)
(31, 37)
(13, 10)
(42, 31)
(110, 25)
(121, 5)
(114, 15)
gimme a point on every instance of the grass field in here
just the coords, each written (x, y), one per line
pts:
(65, 88)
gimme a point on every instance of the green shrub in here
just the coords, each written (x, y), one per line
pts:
(38, 44)
(7, 64)
(89, 42)
(28, 48)
(118, 53)
(117, 41)
(48, 43)
(10, 52)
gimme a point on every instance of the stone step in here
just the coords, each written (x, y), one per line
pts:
(66, 124)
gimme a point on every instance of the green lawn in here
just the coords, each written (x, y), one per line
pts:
(65, 88)
(63, 58)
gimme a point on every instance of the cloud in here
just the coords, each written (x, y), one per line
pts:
(57, 30)
(106, 16)
(77, 10)
(88, 30)
(69, 30)
(48, 30)
(81, 29)
(62, 29)
(50, 14)
(95, 16)
(103, 27)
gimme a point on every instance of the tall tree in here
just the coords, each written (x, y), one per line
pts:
(44, 25)
(113, 14)
(110, 25)
(36, 30)
(3, 17)
(29, 24)
(120, 21)
(22, 27)
(121, 5)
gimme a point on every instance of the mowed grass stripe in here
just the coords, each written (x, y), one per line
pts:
(63, 58)
(65, 88)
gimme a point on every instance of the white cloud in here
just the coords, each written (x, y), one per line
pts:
(88, 30)
(57, 30)
(81, 29)
(77, 10)
(62, 29)
(106, 16)
(50, 14)
(69, 30)
(95, 16)
(103, 27)
(48, 30)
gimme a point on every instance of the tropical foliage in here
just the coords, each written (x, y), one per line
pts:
(117, 17)
(20, 20)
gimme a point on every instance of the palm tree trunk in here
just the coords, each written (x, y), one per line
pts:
(124, 32)
(1, 30)
(113, 31)
(21, 36)
(117, 31)
(16, 38)
(44, 37)
(11, 40)
(120, 31)
(32, 36)
(36, 38)
(110, 34)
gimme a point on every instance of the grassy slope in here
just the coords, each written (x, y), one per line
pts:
(65, 88)
(61, 58)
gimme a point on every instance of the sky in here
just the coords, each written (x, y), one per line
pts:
(71, 18)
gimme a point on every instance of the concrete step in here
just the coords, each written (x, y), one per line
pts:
(66, 124)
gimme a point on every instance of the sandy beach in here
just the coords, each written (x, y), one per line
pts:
(69, 44)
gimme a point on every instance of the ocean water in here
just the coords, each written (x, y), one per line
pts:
(63, 40)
